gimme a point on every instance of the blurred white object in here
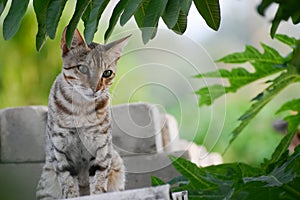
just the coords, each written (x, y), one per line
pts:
(172, 142)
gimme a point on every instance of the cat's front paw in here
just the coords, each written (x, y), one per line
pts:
(70, 188)
(99, 190)
(98, 184)
(71, 193)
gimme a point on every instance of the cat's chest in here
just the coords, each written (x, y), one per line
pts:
(81, 143)
(80, 149)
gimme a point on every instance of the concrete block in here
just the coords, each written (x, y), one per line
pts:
(140, 168)
(19, 181)
(22, 133)
(157, 193)
(136, 129)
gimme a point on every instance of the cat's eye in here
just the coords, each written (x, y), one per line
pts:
(107, 73)
(83, 69)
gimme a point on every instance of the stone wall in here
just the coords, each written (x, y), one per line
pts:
(143, 136)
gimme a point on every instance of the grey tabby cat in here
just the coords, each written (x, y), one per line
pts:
(80, 158)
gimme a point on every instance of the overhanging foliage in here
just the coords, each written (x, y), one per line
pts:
(145, 12)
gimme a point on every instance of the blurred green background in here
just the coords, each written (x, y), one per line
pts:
(161, 73)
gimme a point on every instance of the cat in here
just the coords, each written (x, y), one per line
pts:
(80, 159)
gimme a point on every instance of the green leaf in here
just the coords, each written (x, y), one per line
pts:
(285, 10)
(129, 10)
(293, 105)
(210, 93)
(81, 5)
(14, 18)
(156, 181)
(296, 17)
(140, 13)
(237, 77)
(290, 41)
(54, 12)
(190, 171)
(181, 23)
(185, 6)
(284, 170)
(276, 178)
(152, 14)
(241, 181)
(171, 13)
(210, 11)
(263, 6)
(292, 119)
(293, 123)
(276, 21)
(267, 63)
(280, 150)
(2, 6)
(91, 18)
(115, 17)
(251, 54)
(178, 180)
(40, 9)
(278, 84)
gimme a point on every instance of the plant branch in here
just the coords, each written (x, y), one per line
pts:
(291, 191)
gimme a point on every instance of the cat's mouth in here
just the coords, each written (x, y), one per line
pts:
(94, 95)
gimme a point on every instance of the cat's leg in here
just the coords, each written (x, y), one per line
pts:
(69, 185)
(48, 187)
(116, 177)
(99, 171)
(66, 175)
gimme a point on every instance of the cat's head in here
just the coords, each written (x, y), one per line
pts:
(90, 69)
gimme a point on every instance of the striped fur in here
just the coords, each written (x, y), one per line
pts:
(80, 159)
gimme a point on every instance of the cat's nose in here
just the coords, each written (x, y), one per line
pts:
(95, 89)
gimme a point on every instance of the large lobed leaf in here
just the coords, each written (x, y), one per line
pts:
(267, 63)
(290, 41)
(278, 84)
(251, 54)
(293, 124)
(238, 180)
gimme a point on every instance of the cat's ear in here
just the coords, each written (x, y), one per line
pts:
(76, 42)
(114, 49)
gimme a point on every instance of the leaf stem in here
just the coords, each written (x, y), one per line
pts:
(291, 191)
(296, 57)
